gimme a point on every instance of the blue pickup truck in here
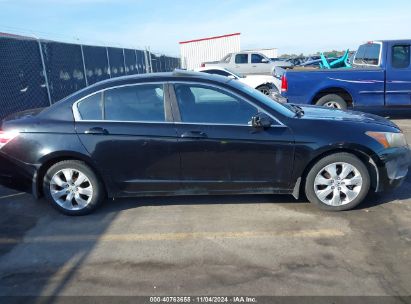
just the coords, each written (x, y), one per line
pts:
(380, 77)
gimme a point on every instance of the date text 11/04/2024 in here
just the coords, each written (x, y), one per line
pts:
(203, 299)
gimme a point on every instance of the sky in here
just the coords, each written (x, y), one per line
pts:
(292, 26)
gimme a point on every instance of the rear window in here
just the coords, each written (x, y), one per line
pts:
(368, 54)
(217, 72)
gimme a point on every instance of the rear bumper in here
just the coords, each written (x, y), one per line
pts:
(394, 169)
(16, 175)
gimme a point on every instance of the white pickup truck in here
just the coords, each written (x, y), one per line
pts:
(266, 84)
(247, 63)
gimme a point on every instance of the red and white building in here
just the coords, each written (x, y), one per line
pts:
(194, 52)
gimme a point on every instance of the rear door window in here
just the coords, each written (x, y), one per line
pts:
(130, 103)
(135, 103)
(400, 56)
(241, 58)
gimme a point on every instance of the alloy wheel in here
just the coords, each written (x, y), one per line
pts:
(338, 184)
(265, 91)
(71, 189)
(333, 104)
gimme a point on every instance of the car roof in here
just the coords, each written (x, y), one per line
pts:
(152, 77)
(176, 74)
(390, 41)
(64, 105)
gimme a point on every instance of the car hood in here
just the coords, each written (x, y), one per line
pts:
(324, 113)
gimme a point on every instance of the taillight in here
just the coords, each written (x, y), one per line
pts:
(284, 84)
(6, 137)
(203, 65)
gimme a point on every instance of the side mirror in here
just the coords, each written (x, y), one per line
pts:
(264, 60)
(232, 77)
(261, 121)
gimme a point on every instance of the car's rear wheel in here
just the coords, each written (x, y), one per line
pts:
(73, 188)
(332, 101)
(337, 182)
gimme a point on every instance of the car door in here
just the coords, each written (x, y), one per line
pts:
(398, 76)
(241, 64)
(219, 149)
(129, 134)
(260, 64)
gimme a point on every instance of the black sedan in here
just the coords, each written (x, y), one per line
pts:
(186, 133)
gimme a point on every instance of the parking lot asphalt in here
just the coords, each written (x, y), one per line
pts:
(215, 245)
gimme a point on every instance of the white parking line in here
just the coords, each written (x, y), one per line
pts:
(12, 195)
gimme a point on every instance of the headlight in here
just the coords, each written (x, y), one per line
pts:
(388, 139)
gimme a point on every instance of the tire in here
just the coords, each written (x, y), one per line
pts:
(351, 190)
(332, 101)
(264, 89)
(66, 195)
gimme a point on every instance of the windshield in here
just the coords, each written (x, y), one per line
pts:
(368, 54)
(282, 109)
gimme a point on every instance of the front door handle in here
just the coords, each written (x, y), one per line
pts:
(97, 131)
(194, 134)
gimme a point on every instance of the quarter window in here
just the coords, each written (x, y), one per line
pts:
(400, 56)
(90, 108)
(241, 58)
(203, 104)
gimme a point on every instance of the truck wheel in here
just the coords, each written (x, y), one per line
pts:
(265, 90)
(337, 182)
(332, 101)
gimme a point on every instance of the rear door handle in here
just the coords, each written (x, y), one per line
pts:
(194, 134)
(97, 131)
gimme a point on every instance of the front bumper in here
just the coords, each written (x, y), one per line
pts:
(395, 163)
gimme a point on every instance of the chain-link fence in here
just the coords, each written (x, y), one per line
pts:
(37, 73)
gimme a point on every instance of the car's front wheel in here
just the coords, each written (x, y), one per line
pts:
(73, 188)
(337, 182)
(266, 90)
